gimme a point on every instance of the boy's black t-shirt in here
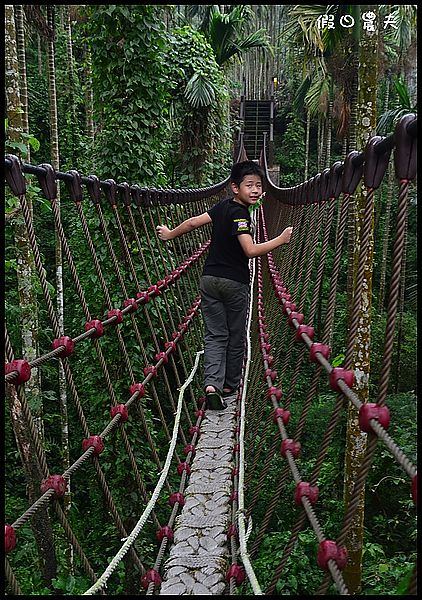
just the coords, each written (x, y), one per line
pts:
(226, 257)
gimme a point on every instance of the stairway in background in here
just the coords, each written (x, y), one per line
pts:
(256, 122)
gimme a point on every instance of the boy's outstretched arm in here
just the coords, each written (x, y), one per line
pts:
(164, 233)
(251, 249)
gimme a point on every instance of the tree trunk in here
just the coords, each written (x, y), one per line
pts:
(356, 439)
(71, 75)
(308, 128)
(40, 523)
(55, 161)
(89, 104)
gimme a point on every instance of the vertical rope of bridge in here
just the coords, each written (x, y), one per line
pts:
(142, 520)
(138, 477)
(397, 266)
(158, 244)
(170, 315)
(311, 313)
(304, 278)
(50, 309)
(147, 316)
(137, 334)
(301, 520)
(99, 471)
(385, 371)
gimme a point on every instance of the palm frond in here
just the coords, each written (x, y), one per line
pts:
(199, 91)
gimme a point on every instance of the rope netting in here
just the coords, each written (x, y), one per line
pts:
(128, 354)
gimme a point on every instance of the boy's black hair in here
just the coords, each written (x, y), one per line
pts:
(241, 169)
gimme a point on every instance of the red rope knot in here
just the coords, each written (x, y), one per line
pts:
(154, 290)
(189, 448)
(200, 413)
(9, 538)
(151, 576)
(274, 391)
(284, 296)
(56, 483)
(177, 497)
(201, 401)
(415, 489)
(150, 369)
(310, 332)
(271, 374)
(175, 274)
(183, 466)
(237, 573)
(346, 375)
(281, 289)
(120, 409)
(165, 531)
(232, 531)
(67, 342)
(115, 312)
(369, 411)
(171, 345)
(299, 317)
(23, 369)
(132, 303)
(137, 387)
(236, 430)
(182, 327)
(265, 336)
(176, 335)
(95, 441)
(291, 445)
(265, 346)
(289, 305)
(303, 488)
(328, 550)
(143, 297)
(162, 284)
(281, 412)
(269, 358)
(318, 347)
(235, 472)
(161, 356)
(97, 325)
(194, 429)
(168, 279)
(236, 448)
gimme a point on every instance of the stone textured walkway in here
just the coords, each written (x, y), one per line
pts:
(199, 557)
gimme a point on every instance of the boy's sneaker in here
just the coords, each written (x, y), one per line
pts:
(215, 401)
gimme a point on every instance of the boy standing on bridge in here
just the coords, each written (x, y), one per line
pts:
(225, 279)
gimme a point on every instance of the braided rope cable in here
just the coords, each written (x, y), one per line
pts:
(11, 579)
(143, 518)
(241, 488)
(397, 267)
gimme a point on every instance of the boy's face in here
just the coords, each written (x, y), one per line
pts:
(249, 190)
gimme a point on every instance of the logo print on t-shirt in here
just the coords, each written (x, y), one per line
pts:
(242, 226)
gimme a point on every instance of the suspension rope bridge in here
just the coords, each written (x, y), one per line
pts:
(208, 468)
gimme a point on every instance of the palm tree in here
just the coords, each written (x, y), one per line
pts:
(225, 34)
